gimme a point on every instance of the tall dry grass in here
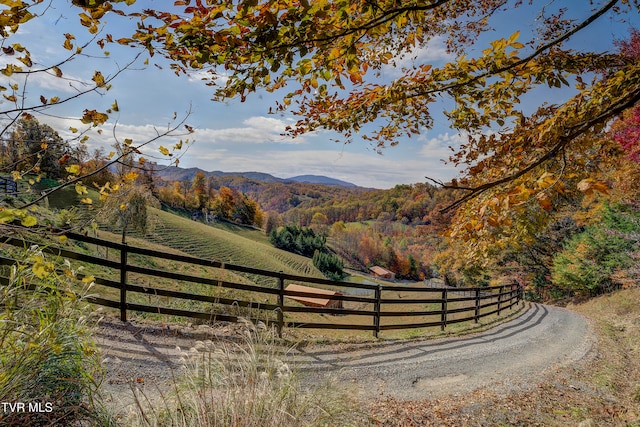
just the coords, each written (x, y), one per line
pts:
(245, 383)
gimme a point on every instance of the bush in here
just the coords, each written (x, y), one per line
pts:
(589, 261)
(47, 358)
(330, 265)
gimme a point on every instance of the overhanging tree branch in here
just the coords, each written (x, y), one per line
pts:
(574, 132)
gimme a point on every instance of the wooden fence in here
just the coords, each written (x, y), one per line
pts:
(365, 307)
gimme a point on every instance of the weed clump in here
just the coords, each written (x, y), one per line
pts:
(48, 361)
(248, 382)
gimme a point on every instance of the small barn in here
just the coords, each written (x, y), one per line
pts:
(382, 273)
(324, 297)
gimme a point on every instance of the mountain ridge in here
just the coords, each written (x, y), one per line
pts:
(175, 173)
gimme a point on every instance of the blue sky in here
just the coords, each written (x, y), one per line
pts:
(235, 136)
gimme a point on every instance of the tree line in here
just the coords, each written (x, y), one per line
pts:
(304, 241)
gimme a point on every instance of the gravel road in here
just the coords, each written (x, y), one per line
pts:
(508, 356)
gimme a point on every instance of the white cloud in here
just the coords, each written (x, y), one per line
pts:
(256, 130)
(220, 77)
(429, 53)
(440, 146)
(351, 163)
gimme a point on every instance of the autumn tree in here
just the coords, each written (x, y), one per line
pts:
(35, 148)
(519, 158)
(27, 105)
(199, 190)
(97, 161)
(127, 209)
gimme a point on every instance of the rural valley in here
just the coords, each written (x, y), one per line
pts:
(330, 213)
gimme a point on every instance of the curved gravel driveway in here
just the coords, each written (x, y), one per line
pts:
(508, 356)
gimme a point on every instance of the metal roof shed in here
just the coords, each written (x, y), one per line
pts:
(324, 298)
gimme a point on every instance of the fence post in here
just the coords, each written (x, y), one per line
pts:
(280, 303)
(499, 299)
(443, 316)
(376, 309)
(123, 282)
(521, 294)
(477, 312)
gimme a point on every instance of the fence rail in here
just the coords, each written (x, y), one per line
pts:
(380, 304)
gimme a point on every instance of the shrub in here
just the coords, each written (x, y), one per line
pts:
(589, 261)
(47, 357)
(330, 265)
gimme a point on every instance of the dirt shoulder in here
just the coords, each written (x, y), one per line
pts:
(601, 389)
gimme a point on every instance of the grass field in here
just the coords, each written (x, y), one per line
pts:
(234, 244)
(226, 243)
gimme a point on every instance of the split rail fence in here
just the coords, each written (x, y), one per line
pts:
(365, 307)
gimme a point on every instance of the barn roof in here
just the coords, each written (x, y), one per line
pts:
(380, 271)
(322, 300)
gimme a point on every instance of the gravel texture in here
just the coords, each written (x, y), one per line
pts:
(511, 355)
(507, 357)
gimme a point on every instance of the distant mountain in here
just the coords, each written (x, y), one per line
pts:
(173, 173)
(319, 179)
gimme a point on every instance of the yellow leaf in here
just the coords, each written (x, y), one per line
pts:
(6, 216)
(88, 279)
(98, 78)
(39, 269)
(62, 239)
(93, 116)
(164, 150)
(131, 176)
(73, 130)
(81, 189)
(87, 201)
(29, 221)
(73, 169)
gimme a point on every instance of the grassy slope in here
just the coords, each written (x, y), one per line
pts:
(226, 243)
(601, 391)
(223, 242)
